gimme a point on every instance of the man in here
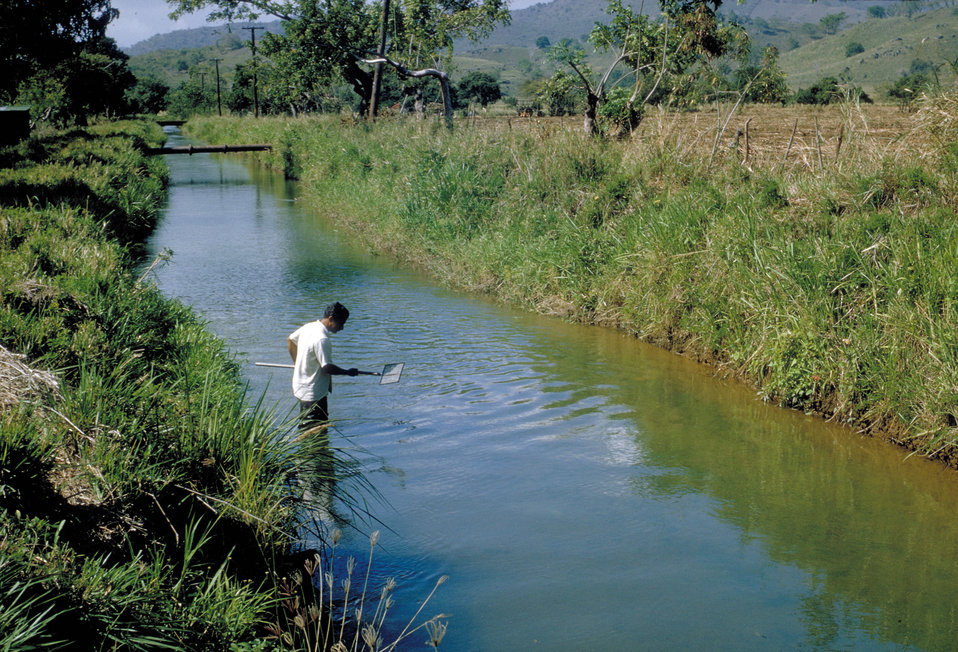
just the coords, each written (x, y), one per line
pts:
(311, 350)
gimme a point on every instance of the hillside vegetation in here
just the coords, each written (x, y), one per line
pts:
(890, 46)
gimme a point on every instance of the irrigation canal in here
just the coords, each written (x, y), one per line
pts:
(583, 491)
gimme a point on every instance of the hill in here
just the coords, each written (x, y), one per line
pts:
(199, 37)
(890, 46)
(575, 18)
(793, 26)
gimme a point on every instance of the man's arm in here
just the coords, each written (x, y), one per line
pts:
(335, 370)
(291, 347)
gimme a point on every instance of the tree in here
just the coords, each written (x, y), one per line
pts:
(192, 97)
(543, 42)
(854, 48)
(652, 53)
(559, 94)
(39, 35)
(338, 38)
(825, 91)
(831, 22)
(876, 11)
(148, 95)
(908, 88)
(480, 87)
(56, 56)
(764, 83)
(320, 47)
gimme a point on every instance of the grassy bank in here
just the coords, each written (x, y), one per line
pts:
(814, 255)
(143, 503)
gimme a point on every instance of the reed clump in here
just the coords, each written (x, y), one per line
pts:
(811, 252)
(145, 503)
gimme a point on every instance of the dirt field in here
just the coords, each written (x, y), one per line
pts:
(766, 136)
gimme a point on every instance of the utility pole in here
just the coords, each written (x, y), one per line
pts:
(252, 33)
(378, 71)
(219, 104)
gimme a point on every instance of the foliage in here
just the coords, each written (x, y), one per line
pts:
(58, 60)
(909, 87)
(192, 97)
(543, 42)
(654, 53)
(40, 36)
(148, 95)
(853, 48)
(876, 11)
(326, 42)
(318, 50)
(560, 94)
(831, 22)
(480, 87)
(828, 90)
(764, 83)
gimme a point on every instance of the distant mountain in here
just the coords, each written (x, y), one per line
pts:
(200, 37)
(575, 18)
(890, 47)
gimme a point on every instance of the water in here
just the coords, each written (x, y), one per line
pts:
(582, 491)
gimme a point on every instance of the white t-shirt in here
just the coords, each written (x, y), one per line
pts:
(313, 351)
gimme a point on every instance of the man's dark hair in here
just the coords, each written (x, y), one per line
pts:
(337, 311)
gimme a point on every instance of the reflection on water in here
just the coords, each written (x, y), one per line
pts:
(582, 491)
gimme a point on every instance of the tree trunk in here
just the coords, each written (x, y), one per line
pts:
(591, 111)
(378, 71)
(632, 120)
(420, 108)
(441, 75)
(446, 98)
(362, 82)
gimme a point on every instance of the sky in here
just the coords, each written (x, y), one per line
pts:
(141, 19)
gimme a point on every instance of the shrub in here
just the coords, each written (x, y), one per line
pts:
(854, 48)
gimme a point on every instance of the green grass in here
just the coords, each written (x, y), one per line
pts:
(831, 289)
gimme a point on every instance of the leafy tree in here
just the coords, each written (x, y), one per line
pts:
(825, 91)
(326, 40)
(480, 87)
(55, 56)
(921, 65)
(37, 36)
(148, 95)
(876, 11)
(559, 94)
(543, 42)
(651, 52)
(907, 88)
(192, 97)
(854, 48)
(831, 22)
(319, 49)
(764, 83)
